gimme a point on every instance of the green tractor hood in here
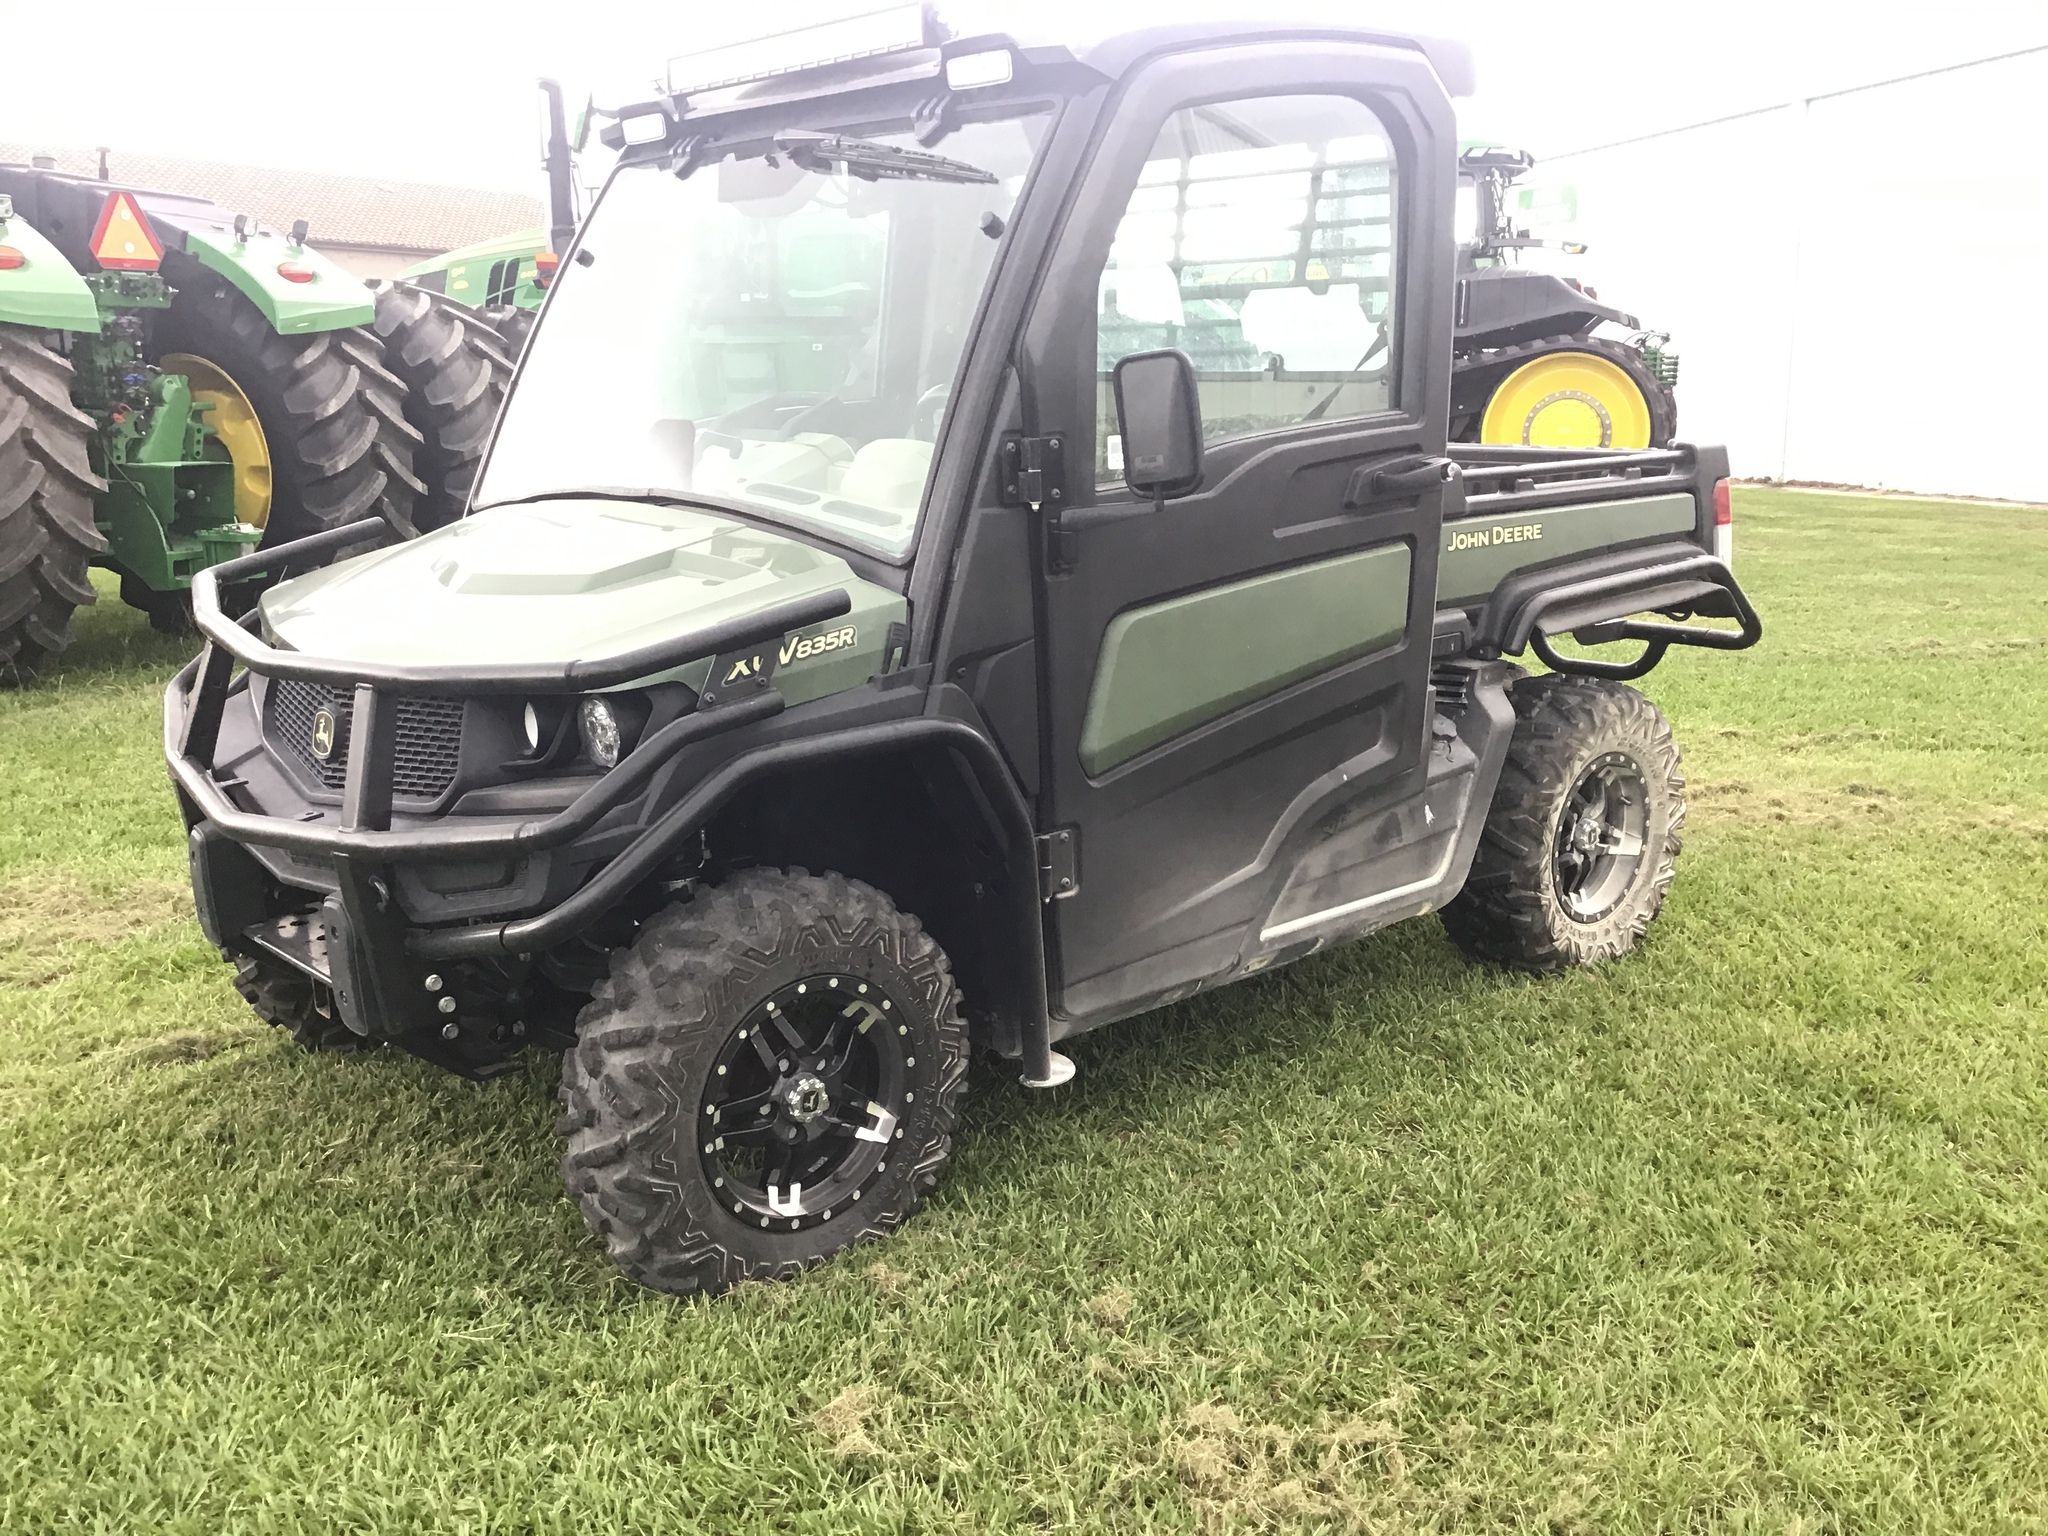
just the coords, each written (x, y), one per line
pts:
(581, 579)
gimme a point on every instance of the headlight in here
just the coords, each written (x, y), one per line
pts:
(601, 734)
(532, 724)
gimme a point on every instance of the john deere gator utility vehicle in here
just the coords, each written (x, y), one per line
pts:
(179, 384)
(1528, 367)
(859, 650)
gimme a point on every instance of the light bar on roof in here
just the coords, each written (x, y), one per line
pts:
(864, 35)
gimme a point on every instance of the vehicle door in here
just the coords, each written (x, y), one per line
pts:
(1234, 673)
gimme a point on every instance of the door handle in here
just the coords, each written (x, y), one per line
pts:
(1404, 477)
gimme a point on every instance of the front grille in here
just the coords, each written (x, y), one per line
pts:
(423, 758)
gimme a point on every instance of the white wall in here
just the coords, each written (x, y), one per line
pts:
(1857, 283)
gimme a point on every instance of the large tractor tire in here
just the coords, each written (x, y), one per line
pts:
(1564, 392)
(47, 486)
(454, 366)
(315, 424)
(511, 323)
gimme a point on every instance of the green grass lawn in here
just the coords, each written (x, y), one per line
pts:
(1749, 1232)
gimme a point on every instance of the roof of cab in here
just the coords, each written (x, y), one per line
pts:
(1114, 55)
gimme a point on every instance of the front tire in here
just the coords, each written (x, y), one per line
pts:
(285, 999)
(770, 1074)
(1582, 840)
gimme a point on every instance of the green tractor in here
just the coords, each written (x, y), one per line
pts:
(1528, 368)
(179, 384)
(504, 280)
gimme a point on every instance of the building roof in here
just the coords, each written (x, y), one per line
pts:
(342, 210)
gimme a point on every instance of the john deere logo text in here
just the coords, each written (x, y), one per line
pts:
(804, 647)
(323, 734)
(1483, 538)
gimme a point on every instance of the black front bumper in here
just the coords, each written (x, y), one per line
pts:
(387, 974)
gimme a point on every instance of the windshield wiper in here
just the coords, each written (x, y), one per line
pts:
(647, 495)
(871, 161)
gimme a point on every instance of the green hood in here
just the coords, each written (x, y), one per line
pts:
(580, 579)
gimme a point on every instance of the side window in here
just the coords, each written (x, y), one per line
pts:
(1260, 241)
(503, 283)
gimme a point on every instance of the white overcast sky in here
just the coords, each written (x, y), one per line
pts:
(440, 91)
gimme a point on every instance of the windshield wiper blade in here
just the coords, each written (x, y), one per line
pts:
(876, 162)
(653, 496)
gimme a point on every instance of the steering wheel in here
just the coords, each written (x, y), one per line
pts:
(929, 411)
(797, 418)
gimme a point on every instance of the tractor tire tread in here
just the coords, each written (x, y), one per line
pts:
(454, 369)
(48, 537)
(333, 417)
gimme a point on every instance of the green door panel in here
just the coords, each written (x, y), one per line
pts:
(43, 293)
(332, 301)
(1169, 667)
(1479, 553)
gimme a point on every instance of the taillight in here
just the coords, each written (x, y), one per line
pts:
(294, 272)
(10, 258)
(1724, 523)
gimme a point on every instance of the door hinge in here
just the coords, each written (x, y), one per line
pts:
(1034, 471)
(1058, 872)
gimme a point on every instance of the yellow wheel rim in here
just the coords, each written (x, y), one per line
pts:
(233, 420)
(1568, 400)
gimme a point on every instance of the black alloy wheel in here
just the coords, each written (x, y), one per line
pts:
(805, 1101)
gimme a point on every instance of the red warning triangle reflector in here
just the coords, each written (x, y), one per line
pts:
(122, 241)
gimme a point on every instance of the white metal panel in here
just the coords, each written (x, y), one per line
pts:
(1923, 293)
(1857, 285)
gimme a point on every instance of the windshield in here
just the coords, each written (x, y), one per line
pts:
(776, 332)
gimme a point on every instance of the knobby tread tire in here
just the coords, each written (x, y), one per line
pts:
(333, 416)
(632, 1084)
(1476, 375)
(47, 489)
(1508, 912)
(512, 324)
(454, 366)
(282, 997)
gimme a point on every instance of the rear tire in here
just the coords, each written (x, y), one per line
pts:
(283, 997)
(512, 324)
(1551, 884)
(333, 416)
(47, 488)
(454, 367)
(660, 1096)
(1476, 376)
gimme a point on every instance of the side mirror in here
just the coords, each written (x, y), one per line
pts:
(1159, 416)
